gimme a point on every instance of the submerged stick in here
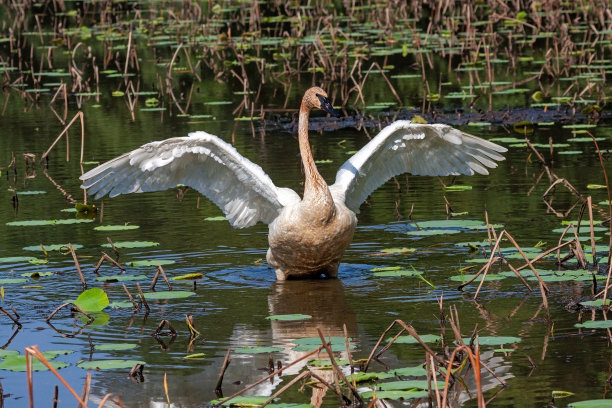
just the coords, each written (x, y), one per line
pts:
(226, 363)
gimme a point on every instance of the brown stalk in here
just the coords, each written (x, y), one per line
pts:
(475, 361)
(280, 370)
(33, 350)
(76, 263)
(297, 378)
(79, 115)
(226, 363)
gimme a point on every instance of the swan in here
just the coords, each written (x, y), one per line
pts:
(307, 236)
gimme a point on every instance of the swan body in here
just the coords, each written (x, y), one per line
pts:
(308, 235)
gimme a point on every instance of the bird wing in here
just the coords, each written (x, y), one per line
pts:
(202, 161)
(404, 147)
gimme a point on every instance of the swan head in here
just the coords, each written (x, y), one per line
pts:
(316, 97)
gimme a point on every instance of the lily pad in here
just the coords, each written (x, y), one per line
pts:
(132, 244)
(112, 364)
(395, 395)
(52, 247)
(243, 401)
(494, 340)
(152, 262)
(115, 346)
(429, 232)
(170, 294)
(289, 317)
(400, 272)
(219, 218)
(92, 300)
(457, 188)
(600, 403)
(427, 338)
(595, 324)
(17, 362)
(16, 259)
(9, 281)
(397, 250)
(116, 227)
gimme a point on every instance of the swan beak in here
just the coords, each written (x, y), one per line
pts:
(327, 106)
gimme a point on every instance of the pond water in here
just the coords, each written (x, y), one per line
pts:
(237, 290)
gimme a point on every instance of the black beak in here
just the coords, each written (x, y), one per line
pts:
(327, 106)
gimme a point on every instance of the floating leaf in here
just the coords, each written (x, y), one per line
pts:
(457, 187)
(36, 223)
(219, 218)
(561, 394)
(16, 259)
(257, 350)
(494, 340)
(289, 317)
(489, 277)
(115, 346)
(152, 262)
(17, 362)
(395, 395)
(9, 281)
(427, 338)
(596, 186)
(397, 250)
(116, 227)
(595, 324)
(195, 356)
(430, 232)
(52, 247)
(108, 364)
(36, 275)
(117, 93)
(92, 300)
(400, 272)
(31, 192)
(188, 276)
(600, 403)
(595, 303)
(170, 294)
(132, 244)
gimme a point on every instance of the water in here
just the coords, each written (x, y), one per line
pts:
(238, 290)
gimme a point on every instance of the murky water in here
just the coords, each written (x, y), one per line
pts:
(238, 290)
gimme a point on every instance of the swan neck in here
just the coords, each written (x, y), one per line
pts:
(315, 187)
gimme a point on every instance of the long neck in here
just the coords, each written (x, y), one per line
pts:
(315, 187)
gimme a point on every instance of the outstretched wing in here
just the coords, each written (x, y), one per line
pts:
(202, 161)
(404, 147)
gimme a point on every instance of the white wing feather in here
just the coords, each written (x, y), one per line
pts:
(404, 147)
(202, 161)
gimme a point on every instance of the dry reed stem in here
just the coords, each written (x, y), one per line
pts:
(86, 388)
(33, 350)
(226, 363)
(280, 370)
(337, 369)
(297, 378)
(109, 396)
(60, 307)
(79, 115)
(475, 361)
(78, 267)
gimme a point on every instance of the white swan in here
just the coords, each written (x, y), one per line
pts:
(307, 236)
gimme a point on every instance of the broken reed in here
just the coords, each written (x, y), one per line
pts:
(337, 47)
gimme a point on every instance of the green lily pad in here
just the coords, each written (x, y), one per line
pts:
(36, 275)
(395, 395)
(595, 324)
(195, 356)
(36, 223)
(219, 218)
(595, 303)
(116, 227)
(115, 346)
(152, 262)
(394, 273)
(52, 247)
(170, 294)
(17, 362)
(31, 192)
(489, 277)
(132, 244)
(427, 338)
(494, 340)
(397, 250)
(405, 385)
(10, 281)
(289, 317)
(257, 350)
(92, 300)
(600, 403)
(112, 364)
(16, 259)
(121, 305)
(446, 224)
(429, 232)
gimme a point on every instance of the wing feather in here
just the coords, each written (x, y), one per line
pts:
(202, 161)
(404, 147)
